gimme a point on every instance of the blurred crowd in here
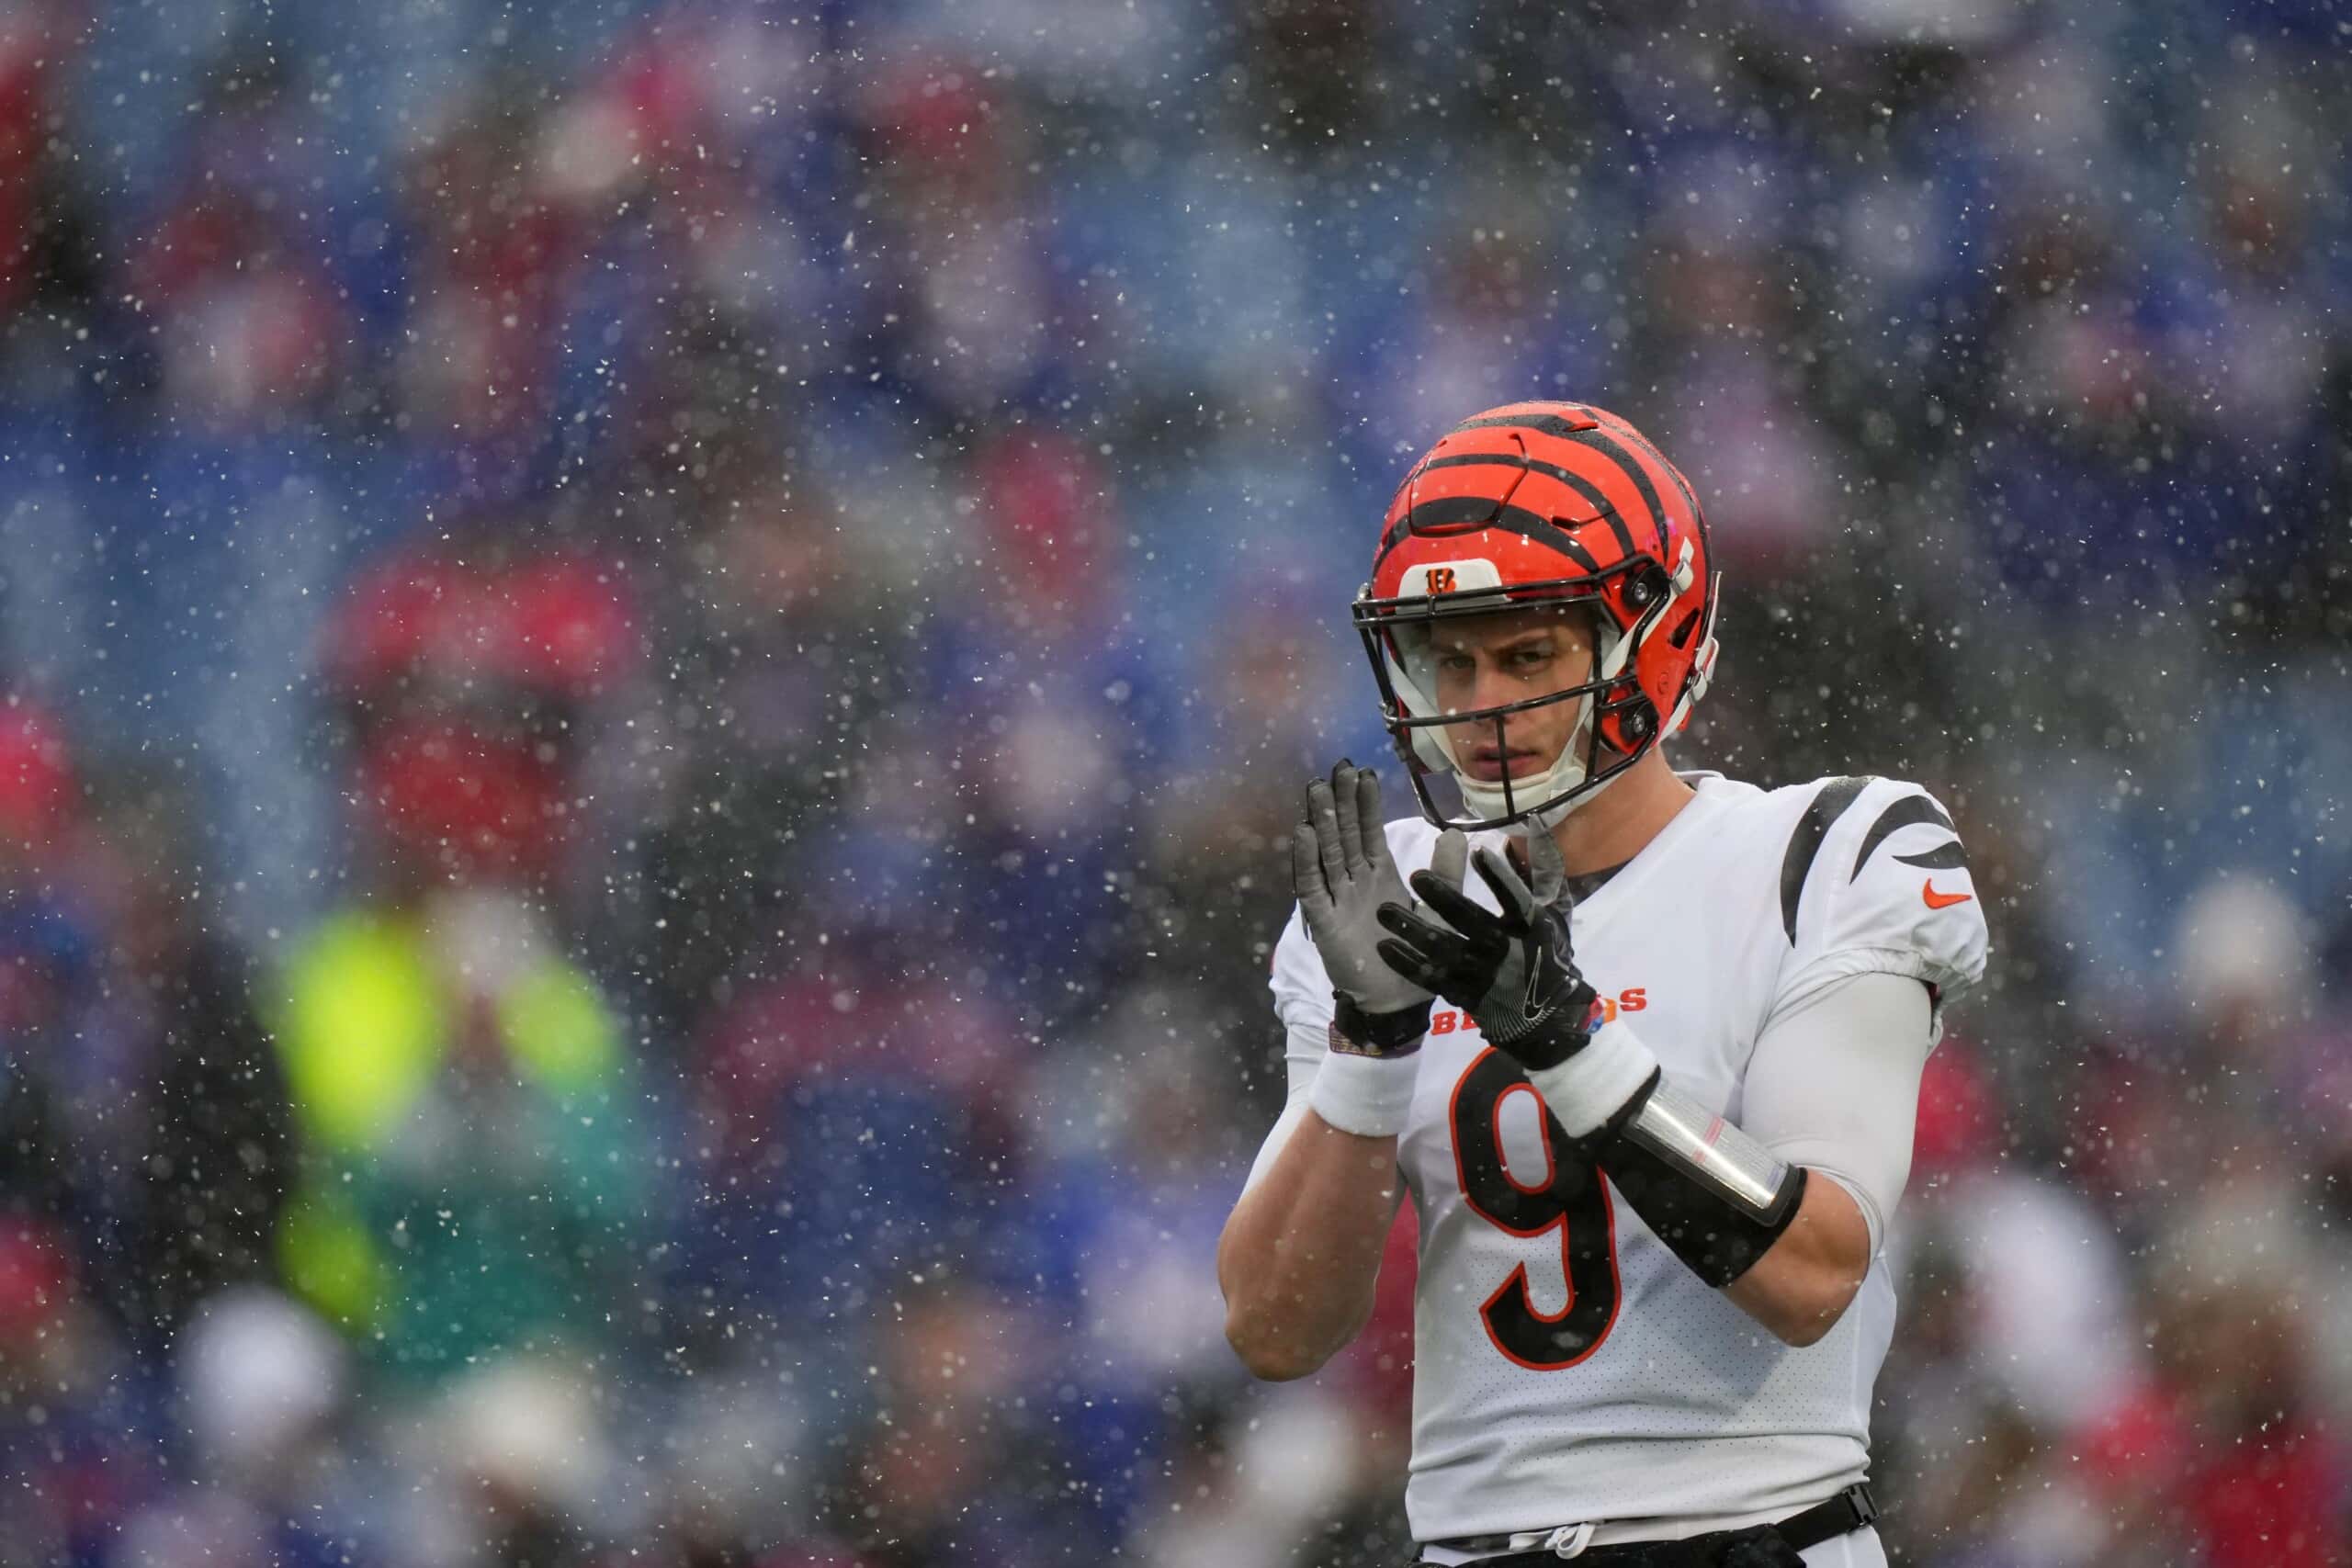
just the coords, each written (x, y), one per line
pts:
(655, 656)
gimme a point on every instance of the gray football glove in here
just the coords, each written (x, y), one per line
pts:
(1342, 872)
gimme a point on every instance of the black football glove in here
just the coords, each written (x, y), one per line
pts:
(1514, 973)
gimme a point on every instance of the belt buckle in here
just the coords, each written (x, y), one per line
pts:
(1865, 1505)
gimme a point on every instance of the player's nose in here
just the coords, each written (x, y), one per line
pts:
(1492, 688)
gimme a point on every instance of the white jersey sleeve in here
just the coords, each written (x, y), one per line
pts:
(1874, 881)
(1302, 1001)
(1834, 1084)
(1304, 1005)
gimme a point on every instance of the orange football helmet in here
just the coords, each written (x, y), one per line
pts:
(1536, 503)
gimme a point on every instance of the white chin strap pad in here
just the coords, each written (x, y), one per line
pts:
(1489, 799)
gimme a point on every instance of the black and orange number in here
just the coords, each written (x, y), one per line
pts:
(1571, 1198)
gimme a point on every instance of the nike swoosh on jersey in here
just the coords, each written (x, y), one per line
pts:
(1941, 900)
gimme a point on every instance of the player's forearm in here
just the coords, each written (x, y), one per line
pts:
(1301, 1253)
(1786, 1243)
(1802, 1285)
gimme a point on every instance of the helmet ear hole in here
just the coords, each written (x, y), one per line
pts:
(1685, 630)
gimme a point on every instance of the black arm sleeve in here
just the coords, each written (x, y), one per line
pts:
(1718, 1238)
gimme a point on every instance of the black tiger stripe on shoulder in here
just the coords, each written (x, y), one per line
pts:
(1909, 811)
(1832, 801)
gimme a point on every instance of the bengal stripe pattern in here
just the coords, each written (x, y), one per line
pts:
(1606, 447)
(1636, 439)
(1549, 424)
(1568, 477)
(1831, 803)
(1911, 811)
(1456, 511)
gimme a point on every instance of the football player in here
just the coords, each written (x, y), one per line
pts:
(1642, 1046)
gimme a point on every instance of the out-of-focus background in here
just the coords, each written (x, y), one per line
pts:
(654, 655)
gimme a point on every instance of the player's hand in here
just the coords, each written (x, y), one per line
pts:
(1342, 873)
(1515, 972)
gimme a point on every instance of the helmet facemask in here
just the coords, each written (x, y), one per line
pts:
(1406, 637)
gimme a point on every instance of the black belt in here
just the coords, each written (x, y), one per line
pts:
(1849, 1510)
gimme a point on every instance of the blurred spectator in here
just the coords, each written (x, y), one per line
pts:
(76, 1428)
(214, 1161)
(2266, 1480)
(469, 1112)
(139, 1095)
(1132, 1113)
(260, 1384)
(495, 252)
(250, 329)
(2001, 1356)
(511, 1465)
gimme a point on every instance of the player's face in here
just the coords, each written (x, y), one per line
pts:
(1483, 662)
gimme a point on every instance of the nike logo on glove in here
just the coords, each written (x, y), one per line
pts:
(1941, 900)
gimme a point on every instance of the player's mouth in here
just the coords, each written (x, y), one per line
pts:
(1488, 764)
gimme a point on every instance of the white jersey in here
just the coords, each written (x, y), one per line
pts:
(1567, 1368)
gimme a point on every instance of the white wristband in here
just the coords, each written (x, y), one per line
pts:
(1585, 1090)
(1369, 1096)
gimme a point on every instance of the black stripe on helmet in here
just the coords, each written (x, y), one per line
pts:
(1567, 476)
(1584, 488)
(1698, 513)
(1606, 445)
(1617, 526)
(1910, 811)
(1668, 470)
(1805, 843)
(1549, 424)
(1590, 492)
(1464, 513)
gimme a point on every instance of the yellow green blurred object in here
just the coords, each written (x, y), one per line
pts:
(366, 1028)
(366, 1024)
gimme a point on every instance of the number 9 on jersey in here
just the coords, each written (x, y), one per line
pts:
(1572, 1200)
